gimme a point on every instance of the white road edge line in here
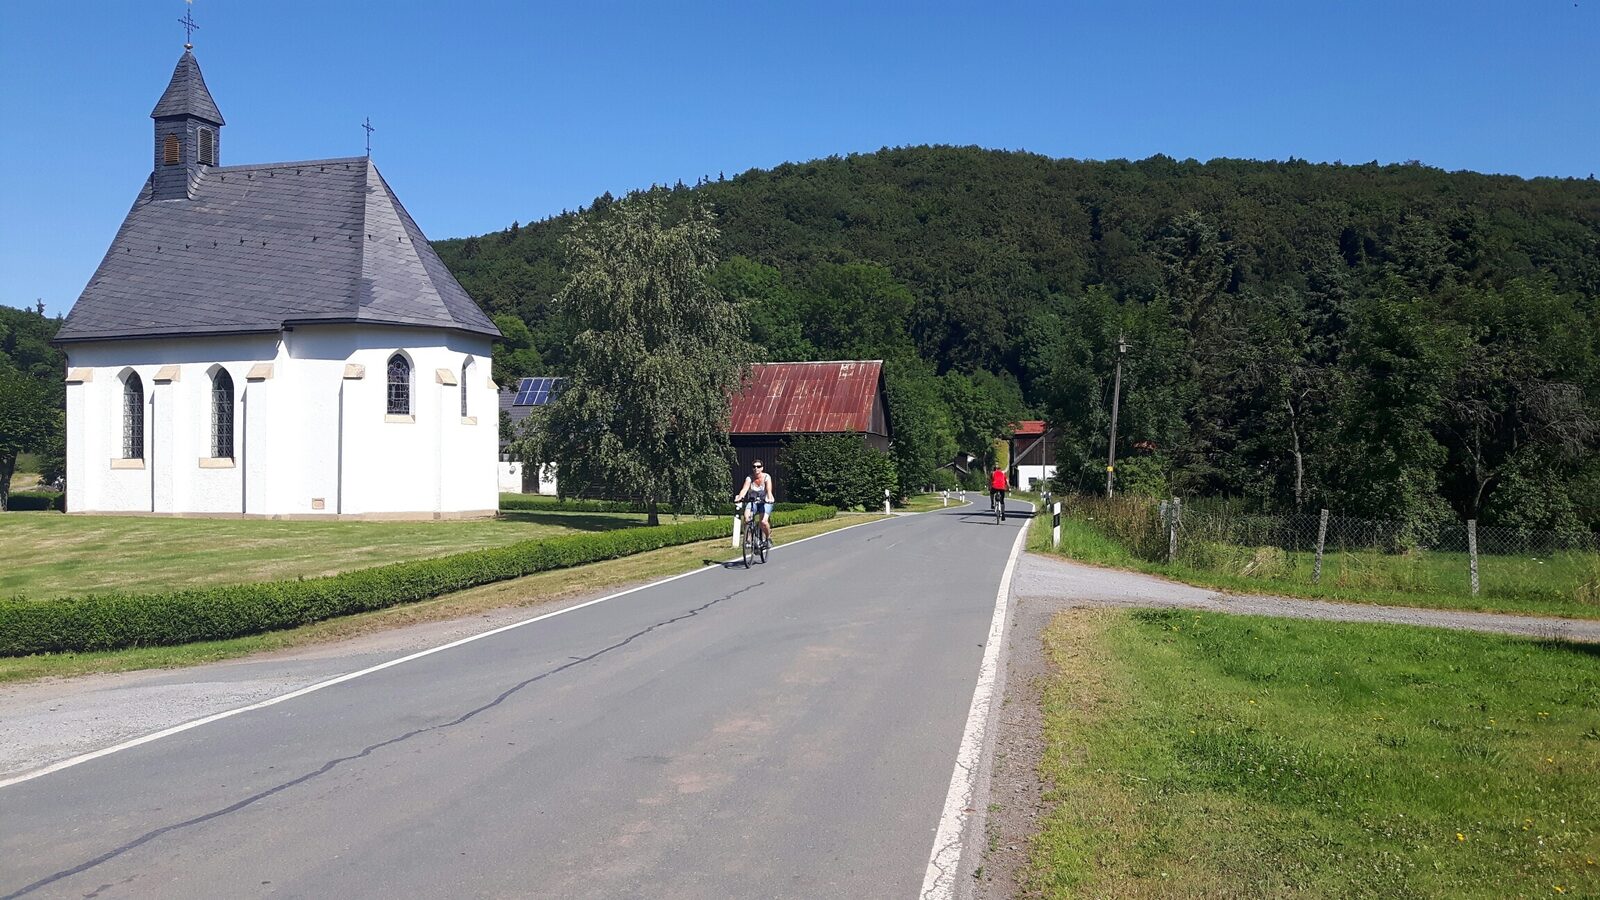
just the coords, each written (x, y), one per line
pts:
(939, 882)
(351, 676)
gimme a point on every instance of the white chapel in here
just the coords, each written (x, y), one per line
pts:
(274, 340)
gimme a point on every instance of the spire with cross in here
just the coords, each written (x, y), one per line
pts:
(367, 126)
(189, 27)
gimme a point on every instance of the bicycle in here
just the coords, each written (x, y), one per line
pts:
(998, 504)
(755, 542)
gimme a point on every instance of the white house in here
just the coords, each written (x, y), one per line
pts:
(274, 340)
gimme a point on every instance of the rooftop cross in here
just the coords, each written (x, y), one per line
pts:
(369, 129)
(189, 27)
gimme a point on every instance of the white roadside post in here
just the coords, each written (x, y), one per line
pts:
(1055, 525)
(1472, 553)
(737, 522)
(886, 501)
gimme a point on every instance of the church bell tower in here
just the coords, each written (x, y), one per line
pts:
(188, 131)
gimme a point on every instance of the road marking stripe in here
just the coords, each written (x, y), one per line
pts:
(350, 676)
(939, 882)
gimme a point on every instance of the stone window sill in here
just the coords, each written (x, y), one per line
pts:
(469, 420)
(401, 420)
(216, 462)
(127, 464)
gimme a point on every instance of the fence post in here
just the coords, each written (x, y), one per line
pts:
(1055, 525)
(1172, 530)
(1322, 538)
(1472, 553)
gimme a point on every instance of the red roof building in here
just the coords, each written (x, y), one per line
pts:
(784, 400)
(1033, 453)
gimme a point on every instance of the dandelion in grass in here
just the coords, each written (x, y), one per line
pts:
(1460, 837)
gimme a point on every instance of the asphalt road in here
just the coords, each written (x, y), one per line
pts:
(786, 731)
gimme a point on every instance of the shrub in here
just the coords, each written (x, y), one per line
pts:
(546, 503)
(837, 470)
(24, 501)
(113, 621)
(945, 480)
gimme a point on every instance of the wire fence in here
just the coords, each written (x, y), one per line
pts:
(1343, 551)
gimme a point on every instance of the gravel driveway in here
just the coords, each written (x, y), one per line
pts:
(1044, 577)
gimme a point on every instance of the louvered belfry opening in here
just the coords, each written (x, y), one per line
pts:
(171, 151)
(208, 147)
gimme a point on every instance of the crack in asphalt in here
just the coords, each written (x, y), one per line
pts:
(365, 752)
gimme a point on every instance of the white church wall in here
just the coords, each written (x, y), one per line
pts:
(308, 440)
(177, 416)
(430, 460)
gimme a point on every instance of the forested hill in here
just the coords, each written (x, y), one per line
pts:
(1427, 339)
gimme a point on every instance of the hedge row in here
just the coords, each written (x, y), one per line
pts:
(33, 501)
(546, 503)
(115, 621)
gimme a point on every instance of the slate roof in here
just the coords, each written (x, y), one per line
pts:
(186, 94)
(260, 247)
(808, 398)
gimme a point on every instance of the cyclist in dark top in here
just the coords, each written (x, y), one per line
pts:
(998, 482)
(761, 488)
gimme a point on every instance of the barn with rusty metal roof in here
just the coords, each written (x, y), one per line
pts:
(782, 401)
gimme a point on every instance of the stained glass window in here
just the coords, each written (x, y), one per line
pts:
(222, 415)
(133, 417)
(399, 386)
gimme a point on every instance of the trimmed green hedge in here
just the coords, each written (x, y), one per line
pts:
(114, 621)
(32, 501)
(547, 503)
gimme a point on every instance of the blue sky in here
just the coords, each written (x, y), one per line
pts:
(493, 112)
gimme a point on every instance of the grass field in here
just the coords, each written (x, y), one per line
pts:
(534, 590)
(1204, 755)
(51, 555)
(1559, 584)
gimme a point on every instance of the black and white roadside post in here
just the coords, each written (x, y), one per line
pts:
(944, 498)
(1055, 525)
(886, 501)
(1322, 538)
(737, 526)
(1472, 553)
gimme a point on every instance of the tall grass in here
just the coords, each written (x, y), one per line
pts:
(1220, 547)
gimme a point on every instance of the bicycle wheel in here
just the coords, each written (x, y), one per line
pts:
(745, 548)
(762, 542)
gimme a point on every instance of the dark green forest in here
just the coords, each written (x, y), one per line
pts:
(1392, 341)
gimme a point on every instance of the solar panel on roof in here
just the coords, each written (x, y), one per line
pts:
(537, 391)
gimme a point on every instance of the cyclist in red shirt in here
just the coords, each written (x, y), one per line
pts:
(998, 482)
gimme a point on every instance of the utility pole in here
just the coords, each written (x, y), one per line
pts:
(1116, 399)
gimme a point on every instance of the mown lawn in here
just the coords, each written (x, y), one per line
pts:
(44, 554)
(1205, 755)
(1557, 584)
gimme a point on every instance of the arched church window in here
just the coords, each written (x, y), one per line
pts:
(170, 151)
(399, 385)
(132, 417)
(222, 415)
(208, 147)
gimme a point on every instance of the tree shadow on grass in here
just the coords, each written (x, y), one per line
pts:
(1560, 643)
(578, 521)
